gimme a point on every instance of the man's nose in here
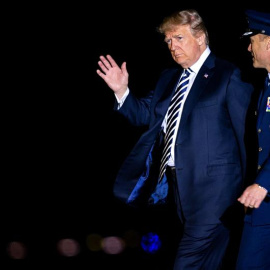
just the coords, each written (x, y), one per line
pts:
(173, 45)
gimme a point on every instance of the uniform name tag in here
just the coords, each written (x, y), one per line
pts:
(268, 105)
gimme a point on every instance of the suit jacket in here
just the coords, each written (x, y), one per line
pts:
(261, 215)
(210, 153)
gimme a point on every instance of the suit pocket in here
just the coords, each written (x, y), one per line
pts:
(222, 169)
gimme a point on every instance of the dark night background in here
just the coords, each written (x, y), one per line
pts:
(63, 145)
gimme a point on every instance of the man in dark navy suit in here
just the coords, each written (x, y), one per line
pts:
(207, 158)
(255, 244)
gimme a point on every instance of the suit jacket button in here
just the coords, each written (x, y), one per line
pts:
(259, 130)
(259, 167)
(260, 149)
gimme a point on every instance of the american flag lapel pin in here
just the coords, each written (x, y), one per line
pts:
(205, 75)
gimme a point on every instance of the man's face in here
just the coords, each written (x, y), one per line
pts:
(259, 48)
(184, 47)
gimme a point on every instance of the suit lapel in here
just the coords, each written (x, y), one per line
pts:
(163, 103)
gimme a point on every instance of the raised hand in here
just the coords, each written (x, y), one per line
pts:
(115, 77)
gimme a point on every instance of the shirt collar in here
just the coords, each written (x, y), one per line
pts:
(196, 67)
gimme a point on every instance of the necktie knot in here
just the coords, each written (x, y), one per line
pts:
(186, 72)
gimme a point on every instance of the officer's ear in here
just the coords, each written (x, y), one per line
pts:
(268, 43)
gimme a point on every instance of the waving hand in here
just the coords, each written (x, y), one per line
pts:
(115, 77)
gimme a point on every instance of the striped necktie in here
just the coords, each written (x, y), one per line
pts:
(172, 115)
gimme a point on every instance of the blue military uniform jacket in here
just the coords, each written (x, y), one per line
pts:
(261, 215)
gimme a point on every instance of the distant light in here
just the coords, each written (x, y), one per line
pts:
(68, 247)
(93, 242)
(16, 250)
(151, 242)
(113, 245)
